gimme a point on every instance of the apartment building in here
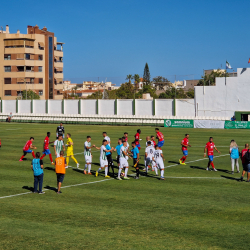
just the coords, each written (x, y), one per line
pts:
(32, 61)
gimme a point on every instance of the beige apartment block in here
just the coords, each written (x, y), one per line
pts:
(32, 61)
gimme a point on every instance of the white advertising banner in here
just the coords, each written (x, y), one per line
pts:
(209, 124)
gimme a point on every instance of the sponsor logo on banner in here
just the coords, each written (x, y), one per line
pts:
(179, 123)
(237, 125)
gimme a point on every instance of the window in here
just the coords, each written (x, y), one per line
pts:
(40, 92)
(7, 92)
(7, 57)
(40, 57)
(27, 56)
(40, 80)
(20, 68)
(29, 68)
(32, 80)
(19, 93)
(7, 80)
(7, 68)
(40, 68)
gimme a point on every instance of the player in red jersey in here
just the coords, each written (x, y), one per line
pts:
(46, 150)
(245, 163)
(209, 149)
(160, 138)
(27, 148)
(153, 143)
(125, 136)
(137, 139)
(0, 143)
(185, 145)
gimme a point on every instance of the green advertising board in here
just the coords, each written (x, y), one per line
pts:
(237, 125)
(178, 123)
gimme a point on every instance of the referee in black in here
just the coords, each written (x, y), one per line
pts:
(60, 131)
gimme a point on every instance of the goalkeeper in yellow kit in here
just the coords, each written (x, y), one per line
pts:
(70, 153)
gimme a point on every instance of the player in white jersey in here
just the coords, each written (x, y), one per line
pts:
(123, 161)
(149, 153)
(59, 146)
(88, 155)
(159, 158)
(103, 158)
(106, 138)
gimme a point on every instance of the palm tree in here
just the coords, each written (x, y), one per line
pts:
(129, 78)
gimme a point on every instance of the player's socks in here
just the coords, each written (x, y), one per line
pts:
(106, 171)
(67, 160)
(33, 154)
(74, 159)
(99, 169)
(86, 165)
(212, 164)
(184, 159)
(119, 172)
(50, 156)
(126, 172)
(137, 172)
(162, 173)
(89, 168)
(22, 157)
(42, 156)
(156, 170)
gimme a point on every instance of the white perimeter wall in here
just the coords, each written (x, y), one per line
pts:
(185, 107)
(54, 106)
(106, 107)
(143, 107)
(88, 107)
(24, 106)
(223, 100)
(71, 107)
(124, 107)
(39, 106)
(164, 107)
(9, 106)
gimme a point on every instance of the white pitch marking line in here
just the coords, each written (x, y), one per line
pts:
(80, 184)
(172, 177)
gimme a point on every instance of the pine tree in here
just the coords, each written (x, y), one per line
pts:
(146, 75)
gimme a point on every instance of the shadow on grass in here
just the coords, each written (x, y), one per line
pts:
(50, 168)
(225, 171)
(197, 167)
(28, 188)
(51, 188)
(230, 178)
(176, 162)
(77, 170)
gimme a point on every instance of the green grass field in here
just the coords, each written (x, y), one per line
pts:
(186, 211)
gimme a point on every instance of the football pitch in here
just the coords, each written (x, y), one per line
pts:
(191, 209)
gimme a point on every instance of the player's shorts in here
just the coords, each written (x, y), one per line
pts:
(103, 163)
(118, 159)
(70, 152)
(123, 162)
(27, 151)
(185, 152)
(138, 146)
(160, 164)
(60, 177)
(211, 157)
(88, 158)
(46, 152)
(150, 161)
(58, 155)
(245, 167)
(160, 143)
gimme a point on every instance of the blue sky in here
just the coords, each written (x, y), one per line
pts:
(113, 38)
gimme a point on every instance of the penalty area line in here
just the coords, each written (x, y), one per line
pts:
(202, 159)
